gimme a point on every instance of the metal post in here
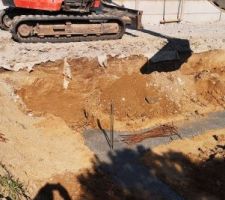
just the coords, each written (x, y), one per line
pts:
(112, 125)
(164, 10)
(179, 14)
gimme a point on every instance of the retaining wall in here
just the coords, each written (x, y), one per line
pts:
(194, 11)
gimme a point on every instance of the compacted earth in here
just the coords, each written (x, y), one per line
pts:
(45, 111)
(193, 167)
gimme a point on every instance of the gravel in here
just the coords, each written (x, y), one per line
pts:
(154, 38)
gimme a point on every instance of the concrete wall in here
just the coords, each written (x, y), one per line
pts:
(194, 11)
(1, 5)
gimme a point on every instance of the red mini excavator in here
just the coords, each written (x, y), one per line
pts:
(66, 20)
(69, 20)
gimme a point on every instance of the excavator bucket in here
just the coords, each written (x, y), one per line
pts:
(219, 4)
(131, 17)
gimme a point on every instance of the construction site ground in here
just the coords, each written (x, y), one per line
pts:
(56, 104)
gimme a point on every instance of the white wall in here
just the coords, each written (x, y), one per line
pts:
(193, 10)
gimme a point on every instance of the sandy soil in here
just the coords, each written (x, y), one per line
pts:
(193, 167)
(44, 111)
(34, 151)
(182, 37)
(72, 95)
(140, 100)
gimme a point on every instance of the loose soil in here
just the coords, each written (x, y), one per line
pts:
(37, 148)
(41, 119)
(139, 100)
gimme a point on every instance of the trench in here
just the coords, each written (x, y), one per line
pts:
(141, 99)
(143, 94)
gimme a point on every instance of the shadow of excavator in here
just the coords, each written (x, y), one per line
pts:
(170, 57)
(130, 175)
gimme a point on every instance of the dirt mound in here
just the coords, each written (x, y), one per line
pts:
(208, 72)
(193, 167)
(92, 89)
(47, 95)
(140, 100)
(37, 148)
(203, 62)
(133, 97)
(211, 91)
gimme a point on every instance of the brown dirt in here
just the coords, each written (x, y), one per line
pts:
(193, 167)
(37, 148)
(139, 99)
(134, 98)
(75, 186)
(91, 90)
(208, 70)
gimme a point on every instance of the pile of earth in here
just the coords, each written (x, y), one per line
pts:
(139, 99)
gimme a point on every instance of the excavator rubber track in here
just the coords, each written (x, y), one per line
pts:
(3, 16)
(57, 28)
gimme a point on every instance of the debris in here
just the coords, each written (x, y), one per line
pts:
(161, 131)
(2, 138)
(112, 124)
(102, 60)
(67, 73)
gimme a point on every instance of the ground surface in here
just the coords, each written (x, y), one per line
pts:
(141, 96)
(70, 89)
(184, 36)
(194, 167)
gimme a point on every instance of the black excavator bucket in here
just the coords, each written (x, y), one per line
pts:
(219, 4)
(131, 17)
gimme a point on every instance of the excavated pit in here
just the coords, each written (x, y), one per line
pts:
(79, 91)
(140, 99)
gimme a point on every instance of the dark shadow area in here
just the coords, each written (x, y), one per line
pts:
(126, 176)
(165, 66)
(4, 198)
(131, 34)
(46, 192)
(104, 133)
(170, 57)
(135, 174)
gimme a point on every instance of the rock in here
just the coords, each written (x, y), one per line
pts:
(102, 60)
(67, 69)
(67, 74)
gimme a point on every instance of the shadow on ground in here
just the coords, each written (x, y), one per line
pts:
(126, 177)
(47, 192)
(170, 57)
